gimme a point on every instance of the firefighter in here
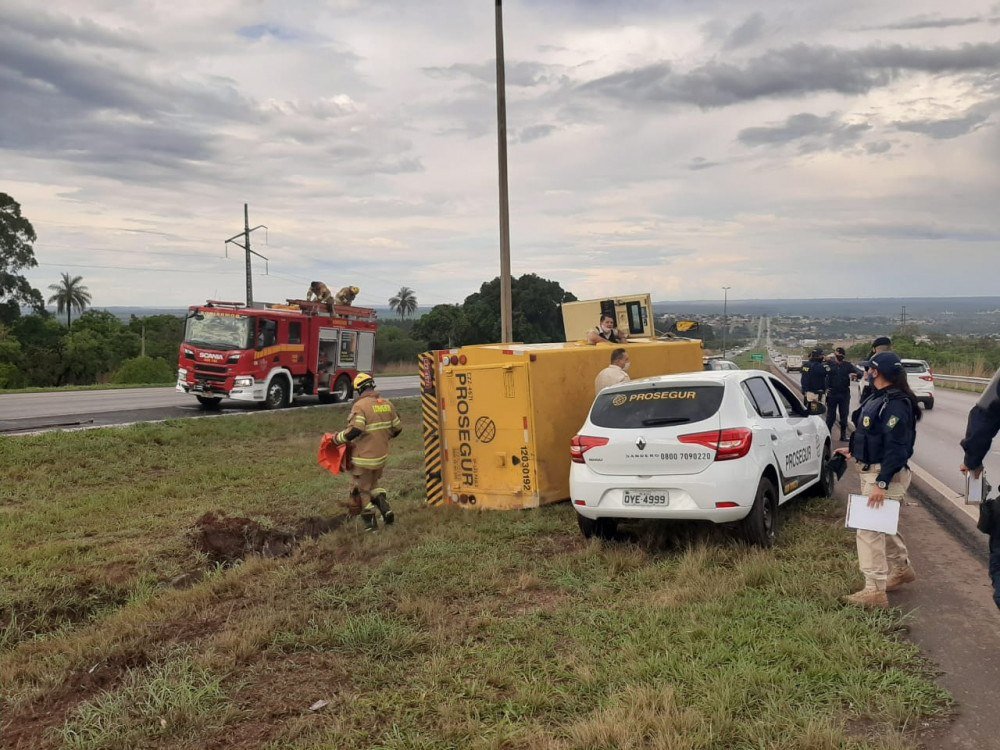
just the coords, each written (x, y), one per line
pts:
(814, 375)
(319, 292)
(838, 391)
(372, 424)
(346, 295)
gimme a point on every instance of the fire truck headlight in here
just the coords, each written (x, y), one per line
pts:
(244, 382)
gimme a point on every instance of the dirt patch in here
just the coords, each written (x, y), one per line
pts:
(228, 539)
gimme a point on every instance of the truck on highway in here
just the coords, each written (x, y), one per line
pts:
(274, 353)
(793, 363)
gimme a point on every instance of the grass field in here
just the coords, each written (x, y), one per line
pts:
(96, 387)
(449, 629)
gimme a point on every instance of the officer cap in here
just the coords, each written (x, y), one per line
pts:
(882, 341)
(839, 350)
(887, 363)
(817, 352)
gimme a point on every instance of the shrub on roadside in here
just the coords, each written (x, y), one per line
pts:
(140, 370)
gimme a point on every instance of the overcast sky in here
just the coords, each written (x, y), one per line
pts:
(786, 149)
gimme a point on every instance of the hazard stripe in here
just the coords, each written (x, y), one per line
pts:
(431, 429)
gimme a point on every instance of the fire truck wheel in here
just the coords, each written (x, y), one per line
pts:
(209, 402)
(277, 394)
(341, 390)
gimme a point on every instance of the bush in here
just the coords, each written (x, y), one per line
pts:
(140, 370)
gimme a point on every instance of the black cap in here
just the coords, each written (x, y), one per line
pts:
(840, 350)
(882, 341)
(817, 352)
(887, 363)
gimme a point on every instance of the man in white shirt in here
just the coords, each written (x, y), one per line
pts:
(615, 373)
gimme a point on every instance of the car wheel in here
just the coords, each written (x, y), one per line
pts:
(824, 487)
(602, 528)
(277, 394)
(209, 402)
(928, 403)
(760, 527)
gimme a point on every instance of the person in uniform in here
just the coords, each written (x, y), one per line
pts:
(606, 332)
(319, 292)
(882, 445)
(346, 295)
(983, 425)
(614, 373)
(881, 344)
(814, 374)
(373, 422)
(838, 390)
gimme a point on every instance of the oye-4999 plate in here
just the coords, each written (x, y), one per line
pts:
(646, 497)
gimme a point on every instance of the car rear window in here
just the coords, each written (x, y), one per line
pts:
(656, 406)
(915, 367)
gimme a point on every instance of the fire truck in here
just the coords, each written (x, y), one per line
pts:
(274, 353)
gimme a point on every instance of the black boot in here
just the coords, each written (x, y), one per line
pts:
(370, 523)
(381, 501)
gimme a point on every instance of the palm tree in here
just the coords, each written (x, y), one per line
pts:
(69, 295)
(405, 303)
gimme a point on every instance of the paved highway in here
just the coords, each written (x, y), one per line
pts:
(23, 412)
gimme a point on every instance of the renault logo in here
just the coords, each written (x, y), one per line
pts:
(640, 443)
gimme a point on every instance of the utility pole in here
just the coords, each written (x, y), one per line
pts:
(142, 351)
(506, 313)
(725, 317)
(903, 324)
(245, 234)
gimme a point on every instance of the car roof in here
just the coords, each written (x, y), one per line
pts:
(701, 377)
(914, 361)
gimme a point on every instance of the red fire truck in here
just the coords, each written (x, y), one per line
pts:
(274, 353)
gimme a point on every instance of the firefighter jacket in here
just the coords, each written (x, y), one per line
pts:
(372, 424)
(983, 425)
(839, 378)
(886, 431)
(814, 374)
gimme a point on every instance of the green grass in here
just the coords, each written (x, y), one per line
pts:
(450, 629)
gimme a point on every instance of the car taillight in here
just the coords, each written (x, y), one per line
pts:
(580, 444)
(928, 378)
(727, 444)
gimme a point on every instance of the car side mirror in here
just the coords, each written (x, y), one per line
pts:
(816, 409)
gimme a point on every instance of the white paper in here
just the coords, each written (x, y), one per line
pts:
(860, 516)
(975, 490)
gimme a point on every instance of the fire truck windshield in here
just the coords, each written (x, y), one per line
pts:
(223, 331)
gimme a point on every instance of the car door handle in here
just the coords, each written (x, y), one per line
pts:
(799, 433)
(774, 437)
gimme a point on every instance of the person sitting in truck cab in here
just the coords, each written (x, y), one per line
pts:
(606, 332)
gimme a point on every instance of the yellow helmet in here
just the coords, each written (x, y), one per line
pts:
(363, 381)
(354, 290)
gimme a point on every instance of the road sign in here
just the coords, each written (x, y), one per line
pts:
(756, 357)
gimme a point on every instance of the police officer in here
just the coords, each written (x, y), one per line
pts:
(982, 427)
(373, 422)
(814, 374)
(838, 390)
(882, 445)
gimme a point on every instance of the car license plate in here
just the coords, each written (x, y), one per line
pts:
(646, 497)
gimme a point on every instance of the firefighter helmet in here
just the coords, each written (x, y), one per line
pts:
(363, 381)
(354, 290)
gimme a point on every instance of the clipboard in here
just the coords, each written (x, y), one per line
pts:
(976, 490)
(861, 517)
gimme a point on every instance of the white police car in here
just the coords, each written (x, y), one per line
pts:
(723, 446)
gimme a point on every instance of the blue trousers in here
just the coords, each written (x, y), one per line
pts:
(834, 402)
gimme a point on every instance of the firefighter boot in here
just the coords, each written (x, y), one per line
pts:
(368, 518)
(381, 500)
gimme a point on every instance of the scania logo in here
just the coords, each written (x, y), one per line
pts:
(211, 355)
(640, 443)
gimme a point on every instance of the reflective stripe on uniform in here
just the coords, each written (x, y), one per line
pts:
(369, 463)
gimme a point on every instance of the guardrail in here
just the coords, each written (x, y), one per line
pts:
(964, 379)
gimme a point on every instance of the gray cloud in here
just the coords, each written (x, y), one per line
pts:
(794, 71)
(918, 231)
(878, 147)
(519, 73)
(699, 163)
(535, 132)
(927, 22)
(746, 33)
(811, 131)
(52, 27)
(952, 127)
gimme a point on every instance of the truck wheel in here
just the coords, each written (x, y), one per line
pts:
(209, 402)
(277, 394)
(342, 389)
(760, 527)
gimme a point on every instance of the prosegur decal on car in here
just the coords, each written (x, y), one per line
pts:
(797, 458)
(621, 399)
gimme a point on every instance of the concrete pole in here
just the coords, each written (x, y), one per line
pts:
(506, 311)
